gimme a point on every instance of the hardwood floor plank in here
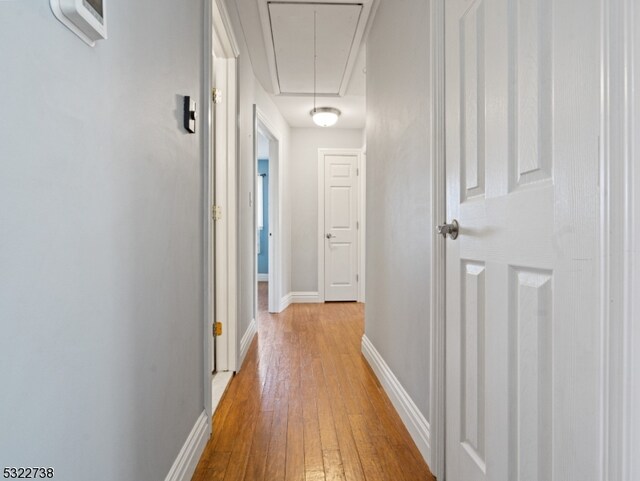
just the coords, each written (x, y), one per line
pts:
(215, 470)
(312, 442)
(333, 469)
(306, 406)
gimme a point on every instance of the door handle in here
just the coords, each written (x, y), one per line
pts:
(330, 236)
(452, 229)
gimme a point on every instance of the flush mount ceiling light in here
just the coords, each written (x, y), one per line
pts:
(325, 116)
(322, 116)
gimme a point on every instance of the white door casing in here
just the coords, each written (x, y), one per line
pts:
(219, 136)
(262, 124)
(338, 225)
(522, 337)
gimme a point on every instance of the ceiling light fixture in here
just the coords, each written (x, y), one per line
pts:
(322, 116)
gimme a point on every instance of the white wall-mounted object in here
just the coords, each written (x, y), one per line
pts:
(86, 18)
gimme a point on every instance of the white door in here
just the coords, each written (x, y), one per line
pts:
(523, 346)
(340, 227)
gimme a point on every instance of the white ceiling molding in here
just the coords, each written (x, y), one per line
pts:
(287, 27)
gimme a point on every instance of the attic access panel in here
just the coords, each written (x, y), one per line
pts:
(289, 36)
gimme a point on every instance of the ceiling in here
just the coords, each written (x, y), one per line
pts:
(280, 39)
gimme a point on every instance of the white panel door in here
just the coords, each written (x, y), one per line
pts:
(340, 232)
(523, 347)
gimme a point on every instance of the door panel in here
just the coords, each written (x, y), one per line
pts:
(522, 126)
(340, 222)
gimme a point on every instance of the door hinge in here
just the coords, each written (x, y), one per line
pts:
(217, 329)
(357, 225)
(216, 212)
(216, 95)
(357, 171)
(357, 277)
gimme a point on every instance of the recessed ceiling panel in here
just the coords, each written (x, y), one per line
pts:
(338, 28)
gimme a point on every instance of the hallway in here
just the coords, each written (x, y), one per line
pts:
(307, 407)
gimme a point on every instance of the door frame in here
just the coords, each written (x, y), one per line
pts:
(620, 239)
(437, 375)
(262, 124)
(220, 237)
(361, 238)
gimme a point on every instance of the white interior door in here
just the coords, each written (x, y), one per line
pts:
(523, 351)
(340, 227)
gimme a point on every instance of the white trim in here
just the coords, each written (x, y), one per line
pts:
(285, 302)
(620, 230)
(222, 22)
(185, 464)
(304, 298)
(362, 217)
(246, 340)
(262, 124)
(437, 387)
(220, 241)
(413, 419)
(262, 277)
(208, 240)
(320, 237)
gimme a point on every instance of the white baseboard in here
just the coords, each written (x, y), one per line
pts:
(263, 277)
(285, 302)
(185, 464)
(411, 416)
(245, 342)
(305, 298)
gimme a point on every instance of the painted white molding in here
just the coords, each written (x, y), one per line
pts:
(411, 416)
(285, 302)
(245, 342)
(304, 298)
(185, 464)
(219, 39)
(437, 388)
(362, 233)
(263, 277)
(620, 231)
(262, 124)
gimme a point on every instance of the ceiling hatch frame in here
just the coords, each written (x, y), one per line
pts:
(358, 38)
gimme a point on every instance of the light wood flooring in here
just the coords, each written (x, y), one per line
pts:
(307, 407)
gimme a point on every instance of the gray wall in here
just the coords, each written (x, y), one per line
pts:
(101, 250)
(398, 199)
(304, 192)
(251, 92)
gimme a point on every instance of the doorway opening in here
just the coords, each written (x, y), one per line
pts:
(262, 216)
(220, 149)
(266, 209)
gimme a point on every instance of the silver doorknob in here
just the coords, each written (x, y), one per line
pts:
(330, 236)
(452, 229)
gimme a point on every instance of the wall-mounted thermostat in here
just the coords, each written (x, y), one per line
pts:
(86, 18)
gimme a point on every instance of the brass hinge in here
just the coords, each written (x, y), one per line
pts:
(216, 212)
(217, 329)
(216, 95)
